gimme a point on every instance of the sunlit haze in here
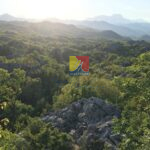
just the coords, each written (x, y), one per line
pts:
(75, 9)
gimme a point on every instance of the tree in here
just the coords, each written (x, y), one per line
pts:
(43, 136)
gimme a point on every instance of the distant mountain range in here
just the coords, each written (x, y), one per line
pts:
(7, 17)
(54, 30)
(117, 24)
(102, 25)
(116, 19)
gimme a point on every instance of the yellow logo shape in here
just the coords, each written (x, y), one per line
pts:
(73, 63)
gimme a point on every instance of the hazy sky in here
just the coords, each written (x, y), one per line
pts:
(76, 9)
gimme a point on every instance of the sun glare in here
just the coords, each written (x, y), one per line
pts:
(63, 9)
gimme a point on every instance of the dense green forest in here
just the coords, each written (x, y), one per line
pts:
(34, 60)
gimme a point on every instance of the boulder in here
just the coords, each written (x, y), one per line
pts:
(89, 121)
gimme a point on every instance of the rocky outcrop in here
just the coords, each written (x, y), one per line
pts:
(89, 121)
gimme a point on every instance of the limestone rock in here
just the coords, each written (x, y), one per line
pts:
(89, 121)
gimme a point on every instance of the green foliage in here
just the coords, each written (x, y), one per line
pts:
(35, 135)
(32, 55)
(15, 110)
(43, 136)
(86, 87)
(10, 84)
(12, 141)
(134, 123)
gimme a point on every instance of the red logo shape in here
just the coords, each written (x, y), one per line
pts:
(85, 62)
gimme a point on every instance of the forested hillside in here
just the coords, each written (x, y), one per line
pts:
(34, 80)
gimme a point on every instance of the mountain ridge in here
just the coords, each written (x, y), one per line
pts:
(126, 27)
(52, 29)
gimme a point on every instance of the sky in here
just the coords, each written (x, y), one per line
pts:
(76, 9)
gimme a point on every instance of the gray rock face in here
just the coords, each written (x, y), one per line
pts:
(89, 121)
